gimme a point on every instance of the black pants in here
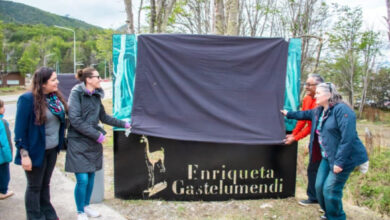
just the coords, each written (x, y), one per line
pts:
(37, 197)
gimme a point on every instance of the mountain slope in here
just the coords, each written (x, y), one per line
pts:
(24, 14)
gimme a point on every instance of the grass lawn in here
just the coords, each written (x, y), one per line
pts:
(12, 90)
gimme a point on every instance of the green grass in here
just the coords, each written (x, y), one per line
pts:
(12, 89)
(373, 188)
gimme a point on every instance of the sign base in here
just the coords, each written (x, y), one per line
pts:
(158, 168)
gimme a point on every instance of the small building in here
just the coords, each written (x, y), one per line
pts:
(11, 79)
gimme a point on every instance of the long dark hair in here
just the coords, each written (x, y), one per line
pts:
(40, 77)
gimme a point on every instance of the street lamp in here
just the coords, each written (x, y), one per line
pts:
(45, 58)
(74, 45)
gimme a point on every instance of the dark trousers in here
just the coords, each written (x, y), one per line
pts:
(311, 177)
(37, 197)
(4, 177)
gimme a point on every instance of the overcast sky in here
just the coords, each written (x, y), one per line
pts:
(111, 13)
(103, 13)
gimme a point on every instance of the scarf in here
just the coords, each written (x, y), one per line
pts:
(55, 106)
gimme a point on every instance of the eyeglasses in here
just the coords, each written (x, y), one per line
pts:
(95, 76)
(308, 84)
(330, 86)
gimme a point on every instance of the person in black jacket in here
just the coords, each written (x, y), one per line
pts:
(84, 155)
(39, 136)
(334, 127)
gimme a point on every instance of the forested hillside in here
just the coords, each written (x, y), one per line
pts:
(24, 14)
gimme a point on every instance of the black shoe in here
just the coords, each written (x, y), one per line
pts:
(307, 202)
(323, 217)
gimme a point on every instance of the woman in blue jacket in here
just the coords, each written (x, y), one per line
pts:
(39, 135)
(334, 127)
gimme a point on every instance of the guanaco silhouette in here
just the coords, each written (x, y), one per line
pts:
(152, 158)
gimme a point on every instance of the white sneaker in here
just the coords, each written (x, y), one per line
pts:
(91, 212)
(82, 216)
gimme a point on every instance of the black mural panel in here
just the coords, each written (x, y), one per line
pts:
(158, 168)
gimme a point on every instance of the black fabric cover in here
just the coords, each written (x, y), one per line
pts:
(66, 83)
(210, 88)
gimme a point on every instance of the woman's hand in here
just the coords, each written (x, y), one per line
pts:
(284, 112)
(104, 140)
(337, 169)
(26, 163)
(289, 139)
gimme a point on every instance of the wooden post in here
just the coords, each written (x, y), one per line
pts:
(368, 139)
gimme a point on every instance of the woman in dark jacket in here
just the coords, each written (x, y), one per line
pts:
(85, 137)
(334, 127)
(39, 135)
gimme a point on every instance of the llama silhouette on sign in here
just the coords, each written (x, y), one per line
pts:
(153, 159)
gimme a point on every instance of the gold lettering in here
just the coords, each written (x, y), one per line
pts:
(189, 190)
(262, 172)
(243, 174)
(213, 189)
(199, 191)
(253, 188)
(281, 185)
(192, 171)
(175, 187)
(223, 172)
(232, 175)
(206, 190)
(204, 173)
(254, 174)
(270, 173)
(215, 174)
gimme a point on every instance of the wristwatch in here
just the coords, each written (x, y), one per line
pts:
(23, 153)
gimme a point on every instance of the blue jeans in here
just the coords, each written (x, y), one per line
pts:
(83, 190)
(312, 169)
(4, 177)
(329, 189)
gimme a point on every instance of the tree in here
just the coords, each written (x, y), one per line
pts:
(388, 18)
(306, 19)
(369, 47)
(160, 12)
(139, 15)
(232, 19)
(129, 20)
(379, 90)
(193, 16)
(30, 59)
(104, 48)
(344, 41)
(219, 17)
(257, 15)
(2, 50)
